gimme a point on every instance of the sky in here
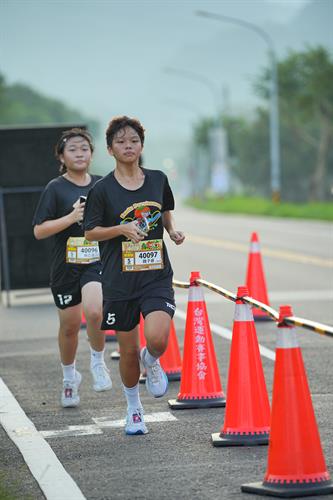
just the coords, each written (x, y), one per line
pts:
(110, 57)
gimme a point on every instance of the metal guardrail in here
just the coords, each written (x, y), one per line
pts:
(292, 320)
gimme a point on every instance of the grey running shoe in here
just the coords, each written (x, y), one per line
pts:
(135, 424)
(70, 392)
(101, 377)
(156, 381)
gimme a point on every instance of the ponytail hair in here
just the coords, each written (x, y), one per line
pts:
(65, 136)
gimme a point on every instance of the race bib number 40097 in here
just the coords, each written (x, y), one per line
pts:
(143, 256)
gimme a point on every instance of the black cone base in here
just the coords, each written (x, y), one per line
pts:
(262, 318)
(110, 338)
(183, 404)
(173, 376)
(239, 439)
(288, 490)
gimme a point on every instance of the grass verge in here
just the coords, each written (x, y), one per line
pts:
(262, 206)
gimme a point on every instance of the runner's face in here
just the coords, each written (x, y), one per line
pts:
(77, 154)
(126, 145)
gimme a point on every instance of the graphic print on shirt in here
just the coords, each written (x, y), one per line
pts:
(146, 255)
(146, 213)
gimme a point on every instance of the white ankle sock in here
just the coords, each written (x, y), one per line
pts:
(96, 357)
(132, 396)
(69, 372)
(150, 360)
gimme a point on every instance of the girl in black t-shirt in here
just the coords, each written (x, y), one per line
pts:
(128, 211)
(75, 274)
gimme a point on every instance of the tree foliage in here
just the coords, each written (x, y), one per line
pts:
(306, 108)
(306, 130)
(21, 105)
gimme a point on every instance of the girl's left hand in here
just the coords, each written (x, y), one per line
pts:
(177, 236)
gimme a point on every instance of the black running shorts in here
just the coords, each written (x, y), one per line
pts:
(69, 295)
(125, 315)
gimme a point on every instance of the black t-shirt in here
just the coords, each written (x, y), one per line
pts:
(57, 201)
(110, 204)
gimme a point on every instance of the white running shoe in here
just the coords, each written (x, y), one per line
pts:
(156, 381)
(101, 377)
(70, 392)
(135, 422)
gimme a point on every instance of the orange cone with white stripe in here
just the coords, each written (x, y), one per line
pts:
(200, 385)
(255, 279)
(171, 360)
(247, 415)
(83, 320)
(142, 343)
(296, 465)
(110, 336)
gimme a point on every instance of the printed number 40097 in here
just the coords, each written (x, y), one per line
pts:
(147, 255)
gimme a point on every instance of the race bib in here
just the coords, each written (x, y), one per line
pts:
(81, 251)
(143, 256)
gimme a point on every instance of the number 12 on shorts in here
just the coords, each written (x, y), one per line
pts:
(64, 299)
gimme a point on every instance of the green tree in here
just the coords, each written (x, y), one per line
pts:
(20, 105)
(306, 108)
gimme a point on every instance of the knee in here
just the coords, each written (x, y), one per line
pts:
(94, 316)
(70, 330)
(157, 345)
(130, 352)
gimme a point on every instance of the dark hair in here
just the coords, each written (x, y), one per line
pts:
(65, 136)
(120, 122)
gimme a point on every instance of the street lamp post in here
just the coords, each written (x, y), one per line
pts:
(201, 79)
(274, 107)
(219, 179)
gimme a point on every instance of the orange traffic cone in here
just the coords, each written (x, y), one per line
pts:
(247, 414)
(296, 465)
(142, 343)
(200, 385)
(142, 338)
(170, 360)
(110, 336)
(83, 320)
(255, 279)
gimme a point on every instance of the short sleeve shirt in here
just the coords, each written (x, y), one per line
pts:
(56, 201)
(110, 204)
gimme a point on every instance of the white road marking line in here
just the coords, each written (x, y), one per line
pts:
(270, 252)
(42, 352)
(227, 334)
(43, 463)
(162, 416)
(73, 431)
(103, 422)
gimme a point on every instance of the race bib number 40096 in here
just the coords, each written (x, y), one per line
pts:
(81, 251)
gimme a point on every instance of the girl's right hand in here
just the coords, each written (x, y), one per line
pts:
(78, 211)
(132, 232)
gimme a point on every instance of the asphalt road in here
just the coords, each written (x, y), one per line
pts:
(176, 459)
